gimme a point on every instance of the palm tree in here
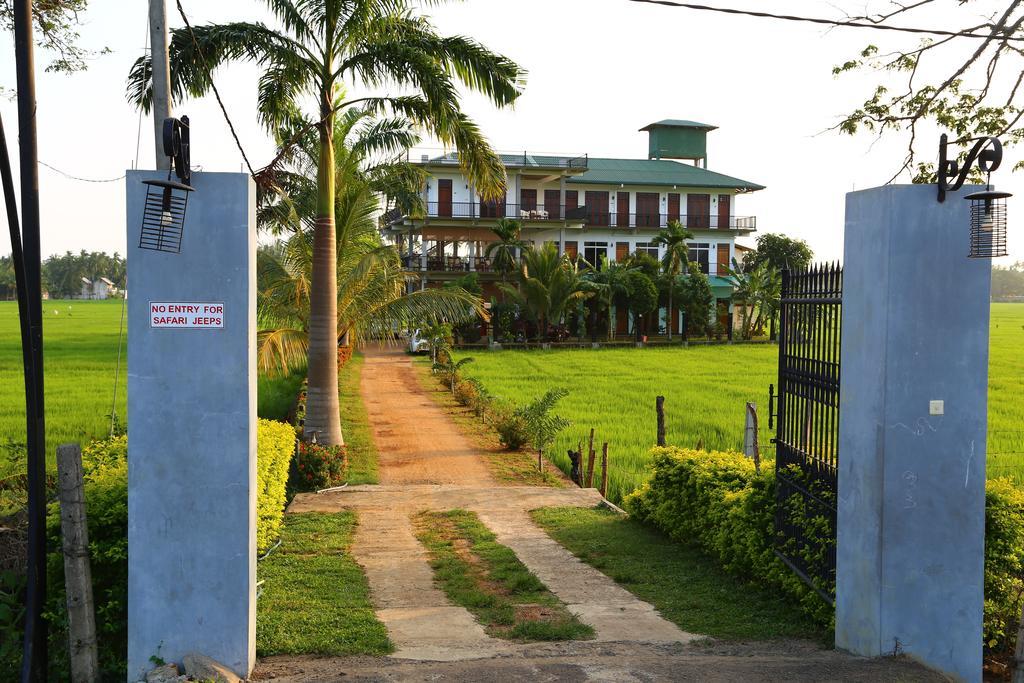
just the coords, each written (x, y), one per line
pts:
(756, 289)
(322, 46)
(673, 237)
(548, 283)
(608, 286)
(372, 299)
(504, 254)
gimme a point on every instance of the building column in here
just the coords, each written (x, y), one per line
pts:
(561, 199)
(474, 248)
(561, 241)
(912, 429)
(423, 253)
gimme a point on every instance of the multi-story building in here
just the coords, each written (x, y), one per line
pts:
(599, 208)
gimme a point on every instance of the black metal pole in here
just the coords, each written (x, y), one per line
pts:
(33, 665)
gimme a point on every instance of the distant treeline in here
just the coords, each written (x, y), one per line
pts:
(1008, 282)
(63, 273)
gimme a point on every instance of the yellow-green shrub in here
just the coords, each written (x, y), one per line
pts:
(1004, 563)
(718, 500)
(275, 443)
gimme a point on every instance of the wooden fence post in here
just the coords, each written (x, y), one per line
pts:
(77, 575)
(1018, 674)
(659, 406)
(751, 447)
(604, 469)
(590, 460)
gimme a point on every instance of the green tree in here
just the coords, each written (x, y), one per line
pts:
(1007, 281)
(608, 287)
(779, 252)
(697, 300)
(321, 46)
(449, 368)
(756, 291)
(967, 86)
(673, 238)
(56, 31)
(372, 298)
(547, 285)
(541, 425)
(504, 252)
(642, 296)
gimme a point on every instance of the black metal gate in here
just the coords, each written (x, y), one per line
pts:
(808, 424)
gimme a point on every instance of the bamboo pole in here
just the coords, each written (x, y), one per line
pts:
(590, 460)
(604, 469)
(1018, 673)
(659, 407)
(77, 574)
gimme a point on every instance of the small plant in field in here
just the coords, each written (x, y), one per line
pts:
(466, 392)
(541, 426)
(449, 370)
(316, 467)
(511, 427)
(441, 340)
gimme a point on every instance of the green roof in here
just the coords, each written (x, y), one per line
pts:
(656, 172)
(679, 123)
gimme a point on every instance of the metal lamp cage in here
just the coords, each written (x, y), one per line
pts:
(163, 218)
(988, 224)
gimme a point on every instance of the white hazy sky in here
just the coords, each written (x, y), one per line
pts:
(598, 71)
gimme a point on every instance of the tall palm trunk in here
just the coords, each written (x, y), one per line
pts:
(322, 410)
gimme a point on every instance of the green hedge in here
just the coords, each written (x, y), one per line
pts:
(718, 501)
(105, 469)
(275, 443)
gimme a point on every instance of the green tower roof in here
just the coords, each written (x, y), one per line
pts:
(679, 123)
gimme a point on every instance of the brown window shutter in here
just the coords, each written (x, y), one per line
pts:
(621, 250)
(723, 258)
(571, 249)
(553, 203)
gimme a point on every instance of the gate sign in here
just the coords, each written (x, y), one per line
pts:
(186, 315)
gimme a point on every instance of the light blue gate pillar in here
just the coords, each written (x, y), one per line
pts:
(192, 430)
(911, 510)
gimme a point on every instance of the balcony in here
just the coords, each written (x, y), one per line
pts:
(534, 213)
(447, 264)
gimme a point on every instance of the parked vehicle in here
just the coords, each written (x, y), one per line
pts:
(417, 343)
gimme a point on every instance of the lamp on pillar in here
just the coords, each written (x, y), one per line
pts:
(988, 208)
(163, 218)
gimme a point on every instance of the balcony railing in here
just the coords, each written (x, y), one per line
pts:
(525, 159)
(590, 216)
(447, 264)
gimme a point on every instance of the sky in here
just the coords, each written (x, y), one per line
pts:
(598, 70)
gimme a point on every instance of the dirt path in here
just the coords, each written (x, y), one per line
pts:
(417, 442)
(426, 463)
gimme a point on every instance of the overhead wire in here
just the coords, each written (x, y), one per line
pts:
(838, 23)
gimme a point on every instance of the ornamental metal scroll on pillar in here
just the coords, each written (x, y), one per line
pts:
(163, 217)
(988, 207)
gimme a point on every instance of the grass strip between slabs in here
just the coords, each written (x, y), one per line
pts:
(315, 598)
(485, 577)
(686, 586)
(355, 425)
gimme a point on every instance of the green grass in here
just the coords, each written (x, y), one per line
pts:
(315, 598)
(355, 425)
(80, 358)
(275, 396)
(485, 577)
(684, 585)
(705, 389)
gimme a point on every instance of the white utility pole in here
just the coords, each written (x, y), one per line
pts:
(161, 77)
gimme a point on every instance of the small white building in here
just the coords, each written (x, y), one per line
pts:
(101, 288)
